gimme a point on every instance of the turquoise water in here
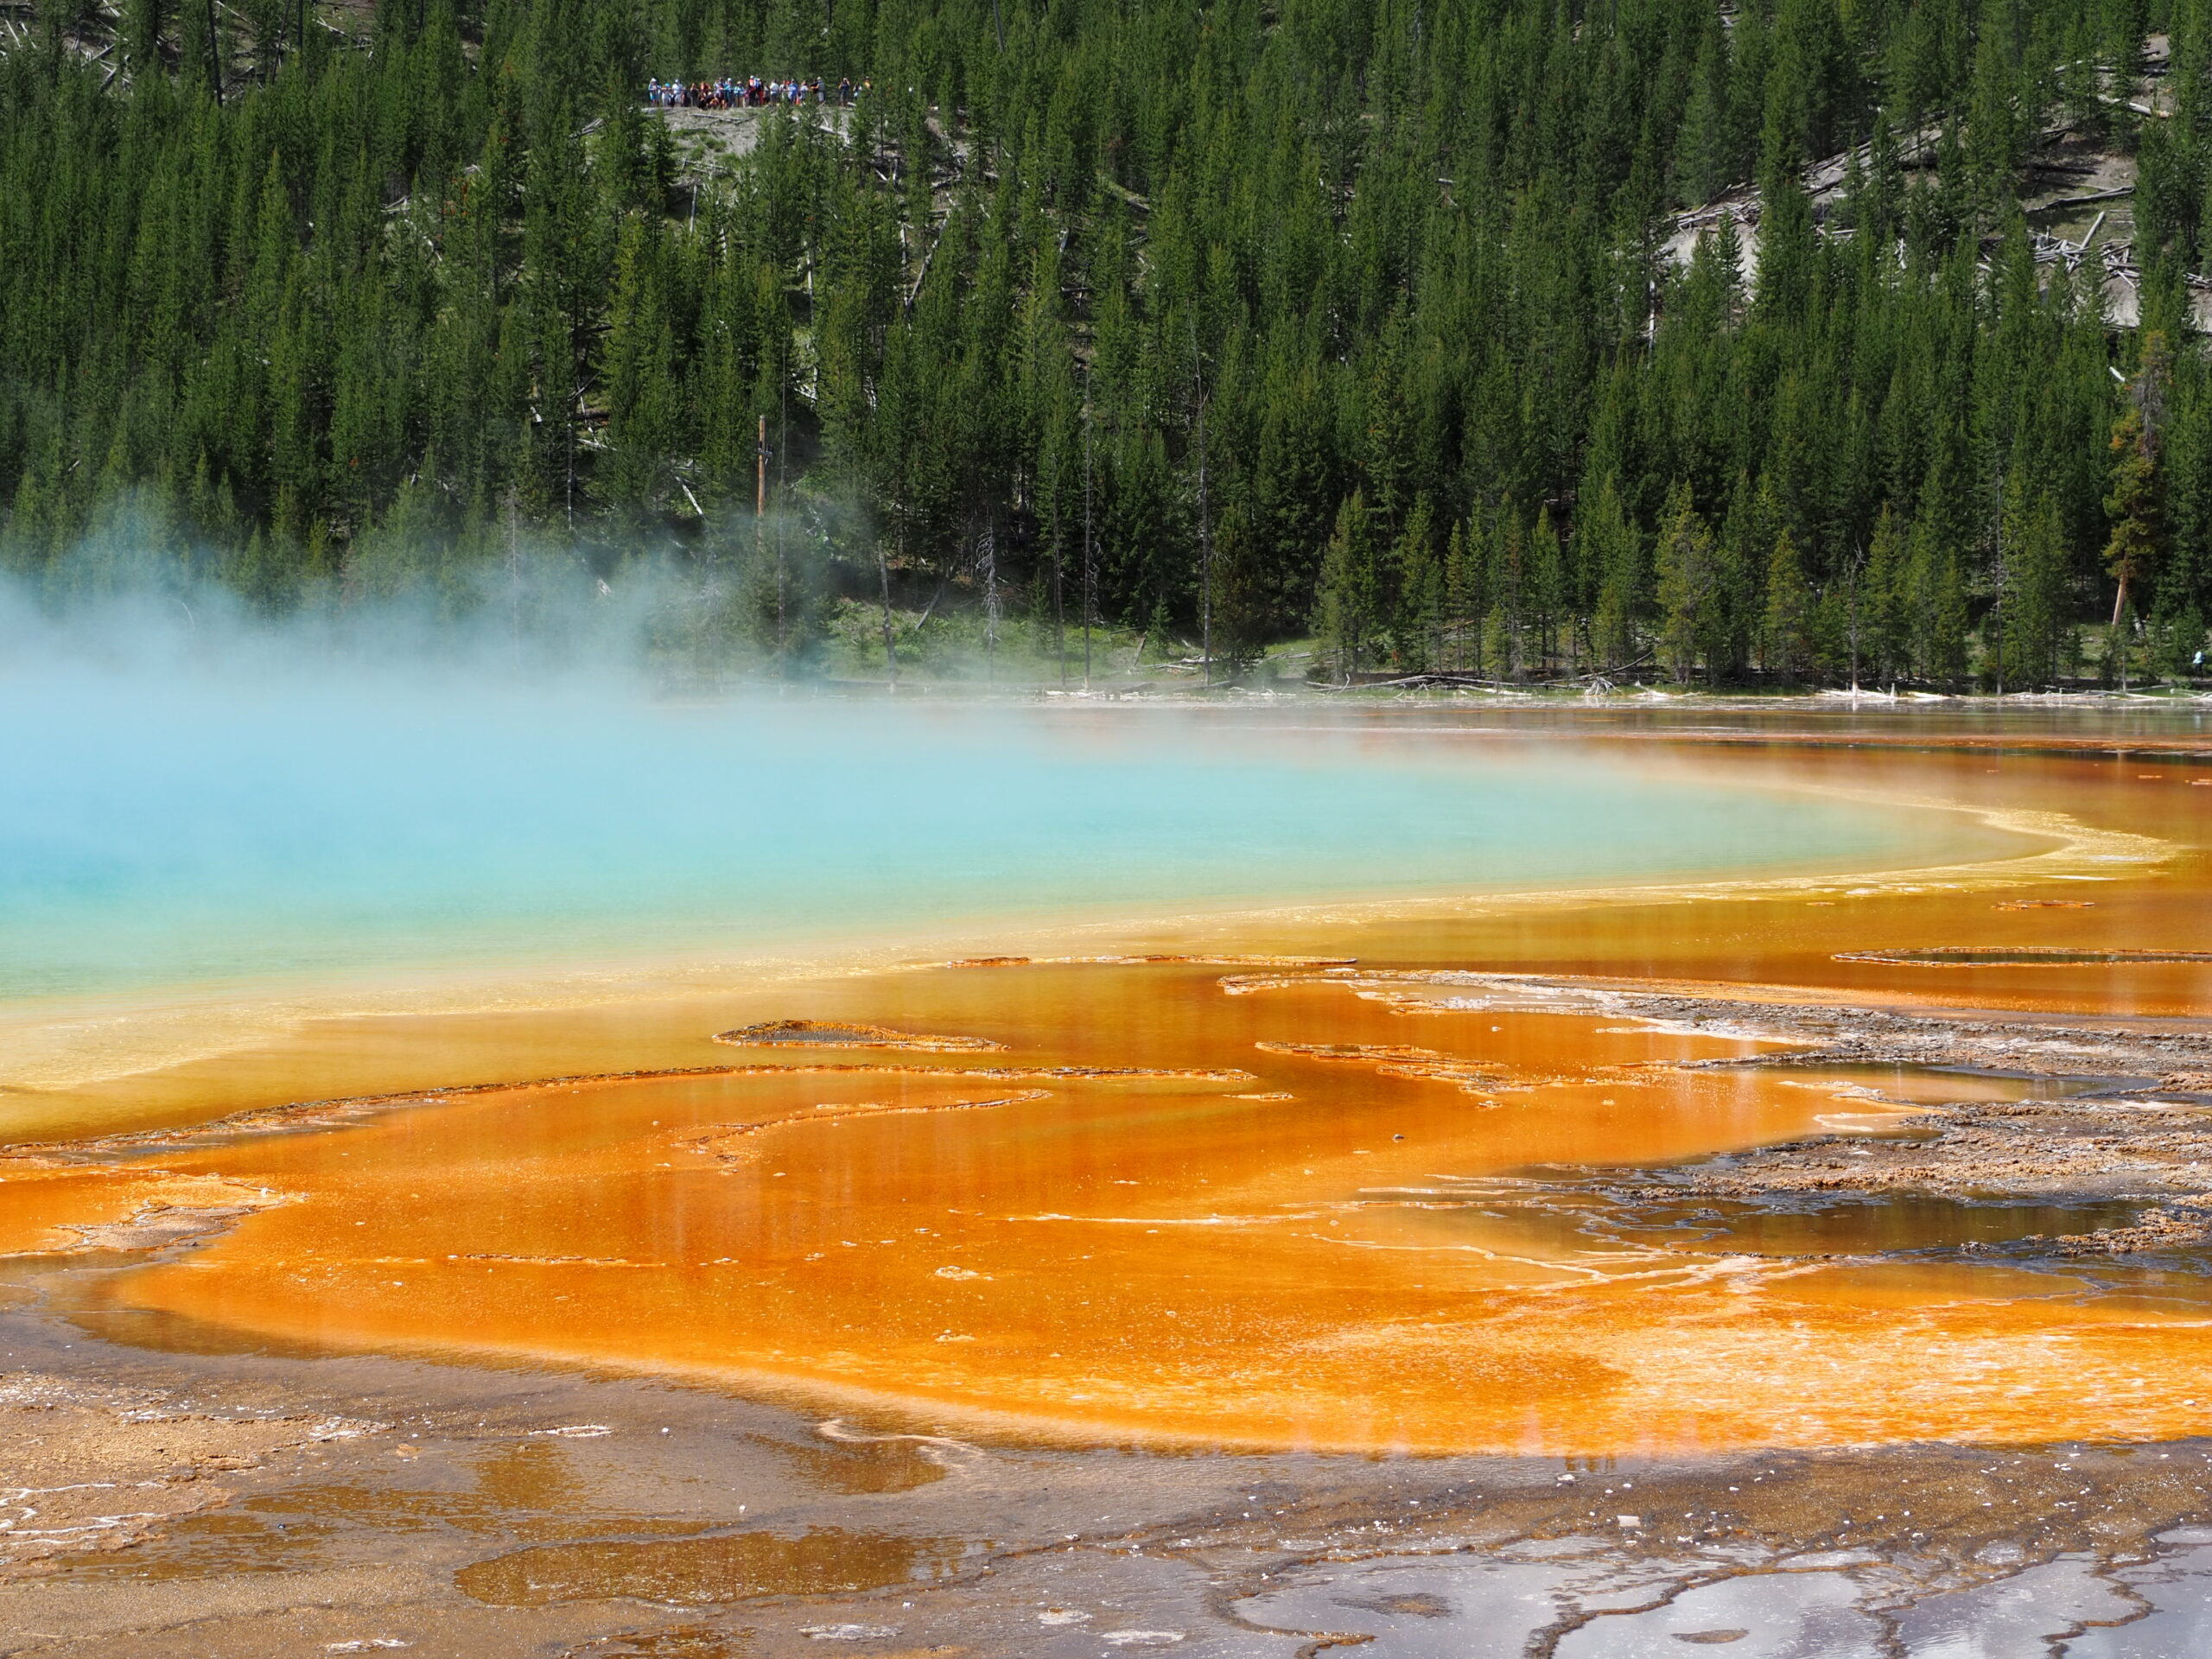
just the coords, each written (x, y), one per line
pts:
(163, 827)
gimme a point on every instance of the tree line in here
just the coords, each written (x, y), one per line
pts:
(1371, 320)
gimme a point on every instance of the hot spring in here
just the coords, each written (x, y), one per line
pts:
(229, 836)
(985, 1083)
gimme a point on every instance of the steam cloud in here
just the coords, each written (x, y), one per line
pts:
(196, 793)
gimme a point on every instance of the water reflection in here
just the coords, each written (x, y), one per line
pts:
(731, 1568)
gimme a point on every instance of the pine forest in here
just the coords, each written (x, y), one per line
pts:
(1771, 343)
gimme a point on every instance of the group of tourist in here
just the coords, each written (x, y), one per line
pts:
(753, 93)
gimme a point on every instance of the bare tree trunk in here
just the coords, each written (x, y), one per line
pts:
(2119, 637)
(990, 551)
(1205, 523)
(783, 434)
(1997, 605)
(890, 633)
(1089, 562)
(760, 521)
(514, 576)
(1059, 614)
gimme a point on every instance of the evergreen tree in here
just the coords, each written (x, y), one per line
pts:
(1786, 638)
(1885, 602)
(1613, 554)
(1349, 598)
(1418, 616)
(2037, 603)
(2133, 504)
(1462, 611)
(1690, 594)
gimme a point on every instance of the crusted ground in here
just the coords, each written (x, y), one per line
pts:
(2129, 1118)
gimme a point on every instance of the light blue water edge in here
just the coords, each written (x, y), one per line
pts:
(175, 829)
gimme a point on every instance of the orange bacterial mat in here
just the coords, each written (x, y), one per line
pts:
(1142, 1193)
